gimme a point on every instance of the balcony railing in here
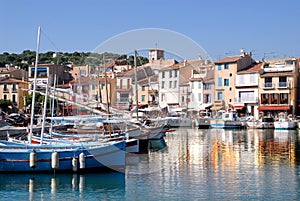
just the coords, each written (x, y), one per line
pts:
(268, 85)
(123, 100)
(282, 85)
(246, 100)
(123, 87)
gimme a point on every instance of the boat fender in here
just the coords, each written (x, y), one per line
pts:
(74, 164)
(55, 160)
(81, 161)
(33, 159)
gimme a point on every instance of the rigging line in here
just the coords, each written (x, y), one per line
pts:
(52, 43)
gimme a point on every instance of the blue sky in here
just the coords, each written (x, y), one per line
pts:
(222, 28)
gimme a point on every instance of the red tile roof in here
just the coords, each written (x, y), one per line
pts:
(255, 68)
(10, 80)
(231, 59)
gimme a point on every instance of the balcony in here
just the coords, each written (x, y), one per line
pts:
(246, 100)
(122, 100)
(268, 85)
(282, 85)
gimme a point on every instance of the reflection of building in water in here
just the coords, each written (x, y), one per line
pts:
(222, 150)
(276, 147)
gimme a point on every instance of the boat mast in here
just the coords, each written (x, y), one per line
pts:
(44, 113)
(52, 109)
(34, 84)
(106, 91)
(136, 87)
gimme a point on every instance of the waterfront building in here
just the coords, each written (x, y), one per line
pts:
(144, 75)
(247, 84)
(174, 87)
(208, 90)
(14, 90)
(225, 78)
(201, 96)
(278, 89)
(91, 91)
(124, 89)
(46, 72)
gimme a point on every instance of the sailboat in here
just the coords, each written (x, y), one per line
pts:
(156, 129)
(67, 157)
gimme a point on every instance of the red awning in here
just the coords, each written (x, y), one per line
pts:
(260, 108)
(238, 107)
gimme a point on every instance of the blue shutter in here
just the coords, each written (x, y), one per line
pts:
(219, 81)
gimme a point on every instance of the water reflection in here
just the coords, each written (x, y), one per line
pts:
(220, 164)
(53, 187)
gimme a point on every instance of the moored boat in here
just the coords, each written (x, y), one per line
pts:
(226, 120)
(284, 123)
(263, 123)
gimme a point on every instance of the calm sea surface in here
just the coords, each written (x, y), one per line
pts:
(190, 164)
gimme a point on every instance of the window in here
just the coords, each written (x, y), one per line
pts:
(206, 98)
(143, 98)
(170, 73)
(175, 73)
(230, 88)
(282, 82)
(220, 96)
(264, 98)
(199, 97)
(163, 74)
(219, 66)
(199, 85)
(5, 87)
(226, 66)
(241, 79)
(170, 84)
(268, 82)
(162, 97)
(284, 98)
(82, 72)
(182, 99)
(14, 98)
(192, 85)
(175, 83)
(219, 81)
(226, 82)
(163, 84)
(143, 88)
(14, 87)
(230, 74)
(274, 98)
(102, 86)
(252, 78)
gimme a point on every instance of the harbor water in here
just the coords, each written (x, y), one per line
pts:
(189, 164)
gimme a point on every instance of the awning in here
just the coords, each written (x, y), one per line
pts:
(239, 107)
(260, 108)
(205, 106)
(217, 107)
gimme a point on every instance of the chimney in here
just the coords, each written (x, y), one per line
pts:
(242, 52)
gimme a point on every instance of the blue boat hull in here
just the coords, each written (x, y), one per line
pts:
(17, 158)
